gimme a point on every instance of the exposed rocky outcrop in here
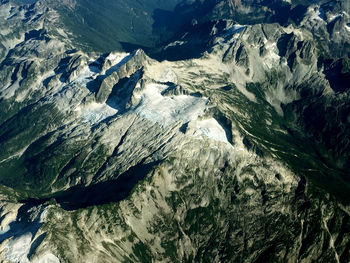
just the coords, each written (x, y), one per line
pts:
(236, 149)
(124, 69)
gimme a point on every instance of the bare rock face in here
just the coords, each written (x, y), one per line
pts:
(106, 87)
(128, 66)
(238, 152)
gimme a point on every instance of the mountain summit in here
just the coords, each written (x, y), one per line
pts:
(174, 131)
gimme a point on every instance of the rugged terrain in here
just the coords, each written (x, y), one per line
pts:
(226, 140)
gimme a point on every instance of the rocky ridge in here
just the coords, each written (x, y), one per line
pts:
(174, 147)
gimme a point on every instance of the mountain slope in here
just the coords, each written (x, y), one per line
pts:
(233, 150)
(114, 25)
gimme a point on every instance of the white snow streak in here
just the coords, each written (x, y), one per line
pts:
(95, 112)
(167, 110)
(210, 128)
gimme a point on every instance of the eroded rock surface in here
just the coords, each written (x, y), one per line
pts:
(237, 152)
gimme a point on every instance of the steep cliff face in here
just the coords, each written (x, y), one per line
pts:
(235, 149)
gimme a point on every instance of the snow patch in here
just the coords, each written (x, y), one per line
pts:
(47, 258)
(114, 61)
(166, 110)
(230, 35)
(175, 43)
(95, 112)
(116, 57)
(235, 29)
(331, 18)
(272, 58)
(210, 128)
(17, 249)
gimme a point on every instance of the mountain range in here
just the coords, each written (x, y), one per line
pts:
(174, 131)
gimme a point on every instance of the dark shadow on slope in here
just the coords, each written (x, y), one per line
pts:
(282, 44)
(122, 91)
(62, 65)
(337, 73)
(81, 196)
(108, 25)
(106, 192)
(36, 243)
(28, 15)
(285, 13)
(251, 146)
(186, 19)
(93, 85)
(171, 21)
(225, 123)
(297, 13)
(35, 34)
(96, 66)
(191, 41)
(117, 66)
(24, 223)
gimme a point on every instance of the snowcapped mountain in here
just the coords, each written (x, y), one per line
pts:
(226, 139)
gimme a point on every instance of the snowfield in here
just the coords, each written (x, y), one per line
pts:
(166, 110)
